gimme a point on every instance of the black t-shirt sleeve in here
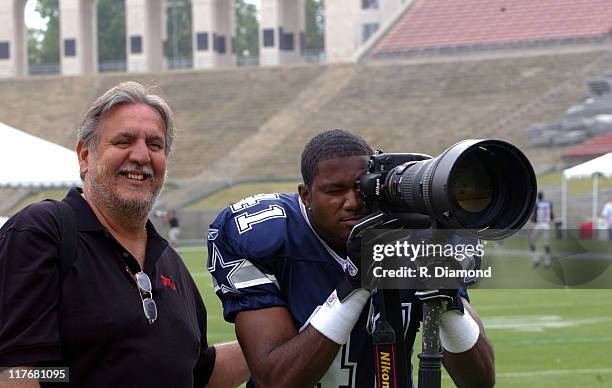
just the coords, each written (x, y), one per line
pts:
(29, 287)
(204, 367)
(206, 361)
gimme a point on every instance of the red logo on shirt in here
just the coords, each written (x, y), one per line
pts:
(168, 283)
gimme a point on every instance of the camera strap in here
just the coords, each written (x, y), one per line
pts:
(383, 338)
(390, 355)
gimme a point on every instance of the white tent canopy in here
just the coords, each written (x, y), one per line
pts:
(601, 165)
(29, 161)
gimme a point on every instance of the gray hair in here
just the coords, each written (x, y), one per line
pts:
(129, 92)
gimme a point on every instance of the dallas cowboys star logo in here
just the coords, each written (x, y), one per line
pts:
(212, 234)
(217, 263)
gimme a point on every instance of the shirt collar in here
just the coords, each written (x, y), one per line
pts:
(341, 260)
(88, 222)
(85, 216)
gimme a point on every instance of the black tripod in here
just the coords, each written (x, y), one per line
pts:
(430, 358)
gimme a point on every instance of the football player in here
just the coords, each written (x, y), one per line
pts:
(542, 218)
(276, 260)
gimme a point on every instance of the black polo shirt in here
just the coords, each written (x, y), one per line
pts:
(94, 322)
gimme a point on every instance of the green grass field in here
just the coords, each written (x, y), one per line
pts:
(542, 338)
(222, 198)
(575, 186)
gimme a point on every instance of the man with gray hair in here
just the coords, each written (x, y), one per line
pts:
(125, 311)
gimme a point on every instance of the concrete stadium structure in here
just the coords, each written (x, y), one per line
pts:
(240, 124)
(281, 33)
(213, 25)
(252, 123)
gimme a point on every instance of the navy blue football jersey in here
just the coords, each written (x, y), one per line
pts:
(263, 252)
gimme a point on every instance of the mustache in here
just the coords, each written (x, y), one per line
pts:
(133, 168)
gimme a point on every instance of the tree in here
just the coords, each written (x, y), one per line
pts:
(111, 30)
(247, 32)
(315, 26)
(43, 44)
(178, 23)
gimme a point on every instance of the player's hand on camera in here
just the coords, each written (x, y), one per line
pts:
(451, 296)
(357, 274)
(447, 289)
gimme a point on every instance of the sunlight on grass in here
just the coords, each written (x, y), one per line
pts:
(224, 197)
(575, 186)
(39, 196)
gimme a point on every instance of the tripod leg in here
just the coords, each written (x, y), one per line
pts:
(431, 357)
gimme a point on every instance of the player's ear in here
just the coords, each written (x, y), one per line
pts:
(304, 192)
(82, 153)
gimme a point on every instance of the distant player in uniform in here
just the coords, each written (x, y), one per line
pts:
(542, 217)
(174, 230)
(276, 260)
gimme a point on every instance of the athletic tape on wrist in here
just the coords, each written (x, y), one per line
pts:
(335, 319)
(458, 332)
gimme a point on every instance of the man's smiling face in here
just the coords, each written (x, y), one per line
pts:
(127, 168)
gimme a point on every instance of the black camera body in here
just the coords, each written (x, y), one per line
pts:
(485, 186)
(372, 183)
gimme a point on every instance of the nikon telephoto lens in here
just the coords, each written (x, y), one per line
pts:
(483, 185)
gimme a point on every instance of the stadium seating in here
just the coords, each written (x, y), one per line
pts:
(252, 123)
(427, 107)
(459, 25)
(214, 110)
(591, 149)
(9, 197)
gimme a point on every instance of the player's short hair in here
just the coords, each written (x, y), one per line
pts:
(129, 92)
(335, 143)
(540, 195)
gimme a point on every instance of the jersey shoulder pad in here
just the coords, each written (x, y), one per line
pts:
(256, 226)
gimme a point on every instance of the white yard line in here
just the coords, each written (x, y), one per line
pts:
(553, 372)
(503, 307)
(545, 341)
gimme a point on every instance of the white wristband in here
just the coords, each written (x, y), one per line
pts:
(458, 332)
(335, 319)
